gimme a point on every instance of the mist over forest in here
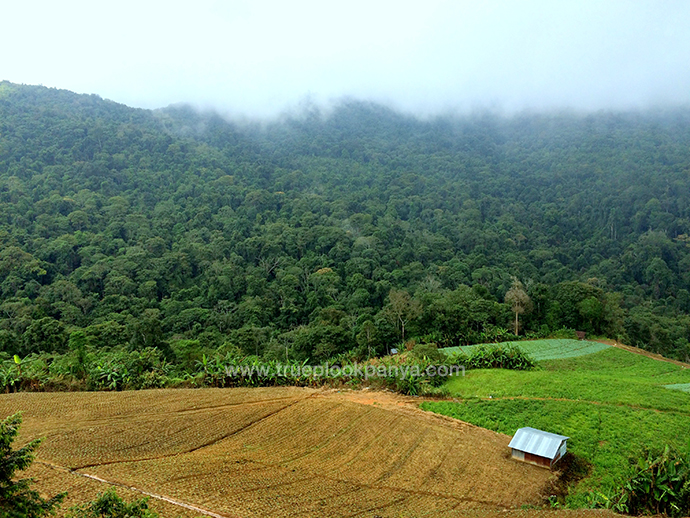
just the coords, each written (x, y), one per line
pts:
(322, 233)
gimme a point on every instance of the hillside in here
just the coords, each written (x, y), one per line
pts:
(183, 231)
(272, 452)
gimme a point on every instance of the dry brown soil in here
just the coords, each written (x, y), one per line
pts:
(274, 452)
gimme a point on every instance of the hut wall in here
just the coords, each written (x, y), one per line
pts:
(536, 459)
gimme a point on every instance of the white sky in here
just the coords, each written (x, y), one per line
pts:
(260, 57)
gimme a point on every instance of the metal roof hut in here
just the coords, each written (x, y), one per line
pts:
(538, 447)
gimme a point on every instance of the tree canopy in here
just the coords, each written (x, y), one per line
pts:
(297, 237)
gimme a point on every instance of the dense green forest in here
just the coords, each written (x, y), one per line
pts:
(329, 231)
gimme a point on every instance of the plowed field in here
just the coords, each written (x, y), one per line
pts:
(271, 452)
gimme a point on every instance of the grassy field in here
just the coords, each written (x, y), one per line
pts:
(549, 349)
(611, 403)
(272, 452)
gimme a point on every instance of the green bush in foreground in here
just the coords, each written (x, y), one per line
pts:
(660, 484)
(17, 499)
(110, 505)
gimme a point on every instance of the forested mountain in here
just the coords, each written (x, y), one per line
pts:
(325, 232)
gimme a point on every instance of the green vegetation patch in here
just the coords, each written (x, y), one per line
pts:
(609, 376)
(608, 402)
(604, 435)
(550, 349)
(5, 89)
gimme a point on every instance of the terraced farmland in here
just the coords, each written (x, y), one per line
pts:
(271, 452)
(551, 349)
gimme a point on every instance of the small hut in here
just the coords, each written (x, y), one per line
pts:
(538, 447)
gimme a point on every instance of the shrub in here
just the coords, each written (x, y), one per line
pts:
(120, 370)
(428, 351)
(110, 505)
(659, 484)
(497, 356)
(410, 373)
(564, 333)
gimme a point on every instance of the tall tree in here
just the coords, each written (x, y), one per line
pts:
(402, 308)
(519, 301)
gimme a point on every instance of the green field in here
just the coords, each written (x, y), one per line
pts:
(611, 403)
(551, 349)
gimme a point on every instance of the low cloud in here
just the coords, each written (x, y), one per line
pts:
(258, 58)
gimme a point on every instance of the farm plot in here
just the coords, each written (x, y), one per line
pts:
(612, 404)
(275, 452)
(98, 428)
(539, 350)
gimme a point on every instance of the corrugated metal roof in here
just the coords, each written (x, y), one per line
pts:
(537, 442)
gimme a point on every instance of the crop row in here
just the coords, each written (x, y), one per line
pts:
(278, 454)
(683, 387)
(539, 350)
